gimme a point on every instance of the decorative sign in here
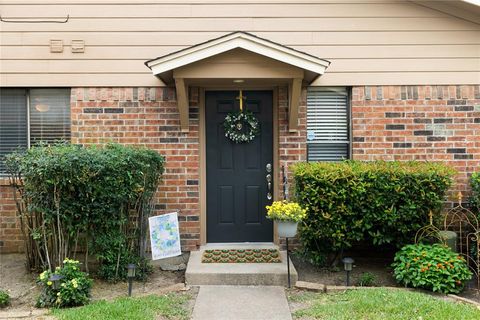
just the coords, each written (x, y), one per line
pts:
(164, 236)
(310, 135)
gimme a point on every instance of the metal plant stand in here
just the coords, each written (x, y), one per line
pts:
(285, 196)
(288, 264)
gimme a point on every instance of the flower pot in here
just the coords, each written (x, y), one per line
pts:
(287, 229)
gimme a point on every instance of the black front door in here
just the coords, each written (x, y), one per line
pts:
(236, 172)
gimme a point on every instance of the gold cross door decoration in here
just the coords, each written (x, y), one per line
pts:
(240, 98)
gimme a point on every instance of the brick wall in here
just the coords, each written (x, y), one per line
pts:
(10, 234)
(292, 145)
(434, 123)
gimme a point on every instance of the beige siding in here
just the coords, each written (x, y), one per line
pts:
(369, 42)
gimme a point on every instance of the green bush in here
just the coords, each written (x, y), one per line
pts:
(366, 279)
(375, 202)
(4, 299)
(73, 289)
(433, 267)
(475, 197)
(96, 198)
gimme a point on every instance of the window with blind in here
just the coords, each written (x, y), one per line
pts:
(29, 116)
(328, 137)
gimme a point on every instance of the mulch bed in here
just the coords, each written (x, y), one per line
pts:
(241, 256)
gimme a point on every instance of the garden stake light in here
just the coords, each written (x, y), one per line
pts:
(56, 279)
(130, 276)
(347, 265)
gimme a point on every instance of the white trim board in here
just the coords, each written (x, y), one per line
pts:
(238, 40)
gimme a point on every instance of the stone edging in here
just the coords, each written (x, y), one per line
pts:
(320, 287)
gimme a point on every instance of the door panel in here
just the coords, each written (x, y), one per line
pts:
(236, 183)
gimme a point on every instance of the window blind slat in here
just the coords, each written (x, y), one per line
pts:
(13, 122)
(49, 115)
(327, 124)
(49, 118)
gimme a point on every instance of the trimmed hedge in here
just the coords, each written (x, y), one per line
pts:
(475, 197)
(378, 202)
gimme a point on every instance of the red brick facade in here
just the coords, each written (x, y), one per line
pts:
(10, 234)
(434, 123)
(437, 123)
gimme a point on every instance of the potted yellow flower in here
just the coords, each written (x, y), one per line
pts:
(287, 215)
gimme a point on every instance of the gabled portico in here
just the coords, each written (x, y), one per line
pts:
(235, 57)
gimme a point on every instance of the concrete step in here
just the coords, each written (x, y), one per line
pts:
(247, 274)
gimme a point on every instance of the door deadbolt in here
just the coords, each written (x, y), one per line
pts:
(269, 167)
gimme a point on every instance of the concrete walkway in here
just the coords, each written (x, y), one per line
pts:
(241, 303)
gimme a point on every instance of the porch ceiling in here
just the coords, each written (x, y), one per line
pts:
(238, 55)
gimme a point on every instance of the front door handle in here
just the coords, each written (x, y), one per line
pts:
(269, 186)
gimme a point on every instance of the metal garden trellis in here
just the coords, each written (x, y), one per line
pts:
(465, 224)
(467, 227)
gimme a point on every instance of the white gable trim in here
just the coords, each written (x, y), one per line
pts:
(238, 40)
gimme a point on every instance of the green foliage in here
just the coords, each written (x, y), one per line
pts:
(73, 290)
(4, 299)
(367, 279)
(314, 258)
(108, 269)
(374, 202)
(475, 197)
(170, 306)
(433, 267)
(97, 196)
(379, 304)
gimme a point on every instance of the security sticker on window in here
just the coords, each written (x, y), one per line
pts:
(310, 135)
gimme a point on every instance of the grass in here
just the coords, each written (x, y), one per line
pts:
(171, 306)
(384, 304)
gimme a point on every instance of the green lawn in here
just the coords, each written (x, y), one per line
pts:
(384, 304)
(171, 306)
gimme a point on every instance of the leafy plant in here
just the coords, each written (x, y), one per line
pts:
(367, 279)
(96, 198)
(315, 259)
(4, 299)
(433, 267)
(73, 289)
(286, 211)
(108, 269)
(475, 196)
(372, 202)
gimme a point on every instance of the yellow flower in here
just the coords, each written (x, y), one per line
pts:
(49, 283)
(58, 293)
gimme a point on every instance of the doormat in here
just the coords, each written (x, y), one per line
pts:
(241, 256)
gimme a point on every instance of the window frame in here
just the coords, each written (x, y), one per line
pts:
(349, 148)
(3, 174)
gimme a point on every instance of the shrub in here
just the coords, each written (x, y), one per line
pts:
(374, 202)
(4, 299)
(73, 290)
(95, 197)
(475, 197)
(367, 279)
(433, 267)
